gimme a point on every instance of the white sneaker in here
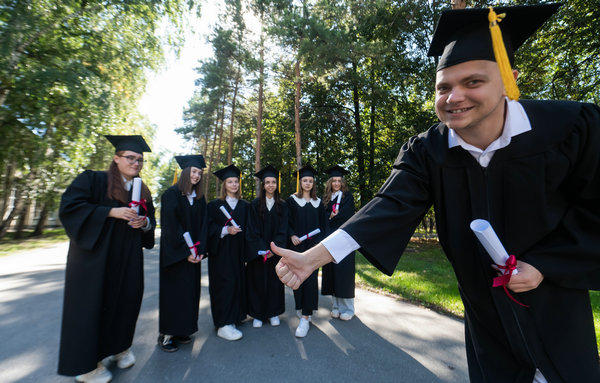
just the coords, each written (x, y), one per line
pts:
(346, 316)
(335, 313)
(229, 332)
(125, 359)
(275, 321)
(99, 375)
(302, 329)
(256, 323)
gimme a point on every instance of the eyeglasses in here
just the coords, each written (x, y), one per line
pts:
(132, 160)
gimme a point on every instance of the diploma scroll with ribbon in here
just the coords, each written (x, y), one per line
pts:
(191, 245)
(264, 254)
(228, 216)
(136, 194)
(336, 205)
(490, 241)
(309, 235)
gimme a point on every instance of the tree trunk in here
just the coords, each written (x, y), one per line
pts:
(212, 157)
(360, 160)
(297, 116)
(42, 220)
(7, 189)
(233, 104)
(371, 150)
(13, 213)
(259, 118)
(222, 124)
(22, 219)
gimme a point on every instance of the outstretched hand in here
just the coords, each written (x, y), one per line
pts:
(293, 267)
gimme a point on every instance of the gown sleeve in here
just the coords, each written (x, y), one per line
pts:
(81, 215)
(384, 226)
(570, 255)
(148, 235)
(281, 236)
(172, 231)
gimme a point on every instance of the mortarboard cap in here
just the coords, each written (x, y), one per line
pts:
(135, 143)
(227, 172)
(267, 171)
(463, 34)
(336, 171)
(196, 160)
(307, 171)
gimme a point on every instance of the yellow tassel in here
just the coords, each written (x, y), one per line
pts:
(240, 183)
(510, 85)
(174, 177)
(297, 181)
(279, 183)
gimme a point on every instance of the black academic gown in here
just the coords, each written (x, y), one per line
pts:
(338, 279)
(179, 287)
(303, 220)
(104, 280)
(226, 263)
(266, 296)
(542, 196)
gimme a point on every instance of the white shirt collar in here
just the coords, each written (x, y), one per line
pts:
(127, 184)
(270, 202)
(515, 123)
(191, 197)
(334, 195)
(301, 201)
(232, 201)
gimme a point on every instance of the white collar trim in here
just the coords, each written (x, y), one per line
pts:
(301, 201)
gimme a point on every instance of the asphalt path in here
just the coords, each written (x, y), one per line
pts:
(387, 341)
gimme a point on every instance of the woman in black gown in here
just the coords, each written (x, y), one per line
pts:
(183, 210)
(306, 214)
(227, 255)
(266, 298)
(338, 278)
(104, 280)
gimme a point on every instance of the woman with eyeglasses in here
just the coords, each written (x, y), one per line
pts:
(183, 210)
(104, 279)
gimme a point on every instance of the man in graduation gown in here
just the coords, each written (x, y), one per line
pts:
(532, 169)
(183, 209)
(104, 280)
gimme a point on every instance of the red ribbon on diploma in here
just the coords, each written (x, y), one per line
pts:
(509, 267)
(141, 203)
(265, 256)
(195, 249)
(336, 207)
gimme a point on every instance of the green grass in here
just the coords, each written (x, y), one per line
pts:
(9, 245)
(424, 276)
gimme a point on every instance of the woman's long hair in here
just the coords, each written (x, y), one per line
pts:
(329, 191)
(116, 187)
(313, 191)
(185, 185)
(262, 202)
(223, 193)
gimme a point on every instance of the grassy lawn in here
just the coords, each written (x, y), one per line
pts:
(10, 245)
(424, 276)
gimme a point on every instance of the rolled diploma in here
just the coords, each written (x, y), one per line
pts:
(136, 193)
(311, 234)
(228, 216)
(490, 241)
(264, 252)
(190, 243)
(337, 203)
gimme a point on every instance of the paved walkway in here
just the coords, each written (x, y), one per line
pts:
(388, 340)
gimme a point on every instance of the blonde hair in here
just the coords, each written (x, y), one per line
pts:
(329, 191)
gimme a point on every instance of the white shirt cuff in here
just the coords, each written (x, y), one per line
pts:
(224, 231)
(148, 225)
(340, 244)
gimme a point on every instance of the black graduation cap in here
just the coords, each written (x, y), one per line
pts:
(464, 35)
(229, 171)
(196, 160)
(135, 143)
(307, 171)
(336, 171)
(267, 171)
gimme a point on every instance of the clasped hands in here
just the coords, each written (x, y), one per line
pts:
(128, 214)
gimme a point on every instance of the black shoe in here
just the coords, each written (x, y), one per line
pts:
(167, 343)
(182, 339)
